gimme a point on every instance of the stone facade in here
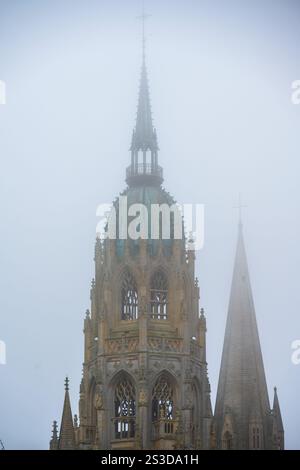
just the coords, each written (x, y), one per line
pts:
(145, 382)
(145, 376)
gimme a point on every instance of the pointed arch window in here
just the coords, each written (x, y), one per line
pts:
(255, 438)
(162, 400)
(227, 441)
(125, 409)
(129, 297)
(163, 414)
(159, 296)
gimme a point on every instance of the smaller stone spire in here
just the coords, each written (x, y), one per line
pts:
(54, 430)
(278, 424)
(66, 435)
(54, 438)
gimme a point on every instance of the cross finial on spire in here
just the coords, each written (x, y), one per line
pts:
(66, 383)
(240, 208)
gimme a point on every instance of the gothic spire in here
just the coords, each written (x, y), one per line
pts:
(54, 438)
(276, 410)
(144, 148)
(144, 135)
(67, 435)
(242, 390)
(278, 424)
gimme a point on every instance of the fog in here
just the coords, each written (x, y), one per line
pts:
(220, 79)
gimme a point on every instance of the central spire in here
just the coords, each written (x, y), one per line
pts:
(144, 137)
(144, 167)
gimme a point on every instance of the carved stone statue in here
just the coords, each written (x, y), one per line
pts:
(143, 398)
(99, 399)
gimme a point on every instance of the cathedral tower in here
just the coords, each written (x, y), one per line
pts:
(145, 383)
(243, 418)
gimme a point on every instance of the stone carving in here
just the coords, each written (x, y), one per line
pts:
(143, 398)
(114, 346)
(164, 344)
(174, 345)
(155, 344)
(99, 399)
(131, 344)
(117, 346)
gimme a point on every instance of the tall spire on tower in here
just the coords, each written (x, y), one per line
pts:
(144, 134)
(144, 148)
(242, 406)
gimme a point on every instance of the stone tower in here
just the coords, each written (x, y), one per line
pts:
(145, 383)
(243, 418)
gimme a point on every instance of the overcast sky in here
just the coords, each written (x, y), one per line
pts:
(220, 76)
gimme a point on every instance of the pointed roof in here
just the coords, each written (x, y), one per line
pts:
(67, 435)
(144, 169)
(277, 412)
(242, 388)
(144, 135)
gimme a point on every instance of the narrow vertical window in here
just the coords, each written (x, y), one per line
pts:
(255, 438)
(227, 441)
(129, 297)
(124, 403)
(159, 296)
(163, 414)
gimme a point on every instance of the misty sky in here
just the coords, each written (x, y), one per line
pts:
(220, 77)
